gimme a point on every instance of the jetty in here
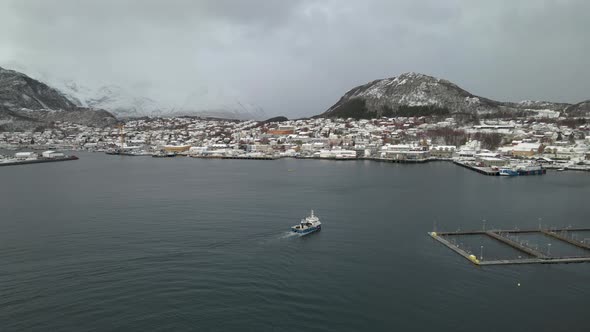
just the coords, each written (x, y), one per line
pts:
(565, 239)
(530, 255)
(15, 162)
(235, 157)
(481, 170)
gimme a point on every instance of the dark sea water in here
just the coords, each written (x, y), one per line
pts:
(110, 243)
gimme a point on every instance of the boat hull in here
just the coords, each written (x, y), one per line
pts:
(307, 230)
(508, 172)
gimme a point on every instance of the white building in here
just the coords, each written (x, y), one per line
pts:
(52, 154)
(25, 155)
(337, 154)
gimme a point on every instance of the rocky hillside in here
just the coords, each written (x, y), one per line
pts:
(414, 94)
(580, 109)
(26, 103)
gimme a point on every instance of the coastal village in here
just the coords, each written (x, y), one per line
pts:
(490, 147)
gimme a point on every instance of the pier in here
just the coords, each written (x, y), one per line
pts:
(237, 157)
(516, 245)
(494, 172)
(482, 170)
(36, 161)
(401, 161)
(536, 256)
(565, 239)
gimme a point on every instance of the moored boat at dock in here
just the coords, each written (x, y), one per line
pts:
(530, 170)
(507, 172)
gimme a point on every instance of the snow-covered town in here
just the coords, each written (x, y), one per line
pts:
(493, 144)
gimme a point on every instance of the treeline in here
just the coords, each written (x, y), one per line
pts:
(426, 110)
(490, 141)
(458, 137)
(573, 122)
(353, 108)
(448, 136)
(504, 114)
(356, 108)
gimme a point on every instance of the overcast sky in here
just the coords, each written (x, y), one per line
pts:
(297, 57)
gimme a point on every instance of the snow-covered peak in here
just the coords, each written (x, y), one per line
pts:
(414, 75)
(121, 101)
(413, 89)
(531, 103)
(219, 101)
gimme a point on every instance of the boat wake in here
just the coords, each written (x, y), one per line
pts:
(287, 235)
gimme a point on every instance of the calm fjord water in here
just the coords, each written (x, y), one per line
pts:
(136, 244)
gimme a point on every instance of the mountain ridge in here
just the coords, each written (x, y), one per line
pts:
(123, 102)
(427, 94)
(26, 103)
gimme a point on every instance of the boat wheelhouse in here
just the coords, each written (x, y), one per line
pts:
(308, 225)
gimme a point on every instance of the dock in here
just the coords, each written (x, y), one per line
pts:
(237, 157)
(493, 172)
(536, 257)
(516, 245)
(565, 239)
(482, 170)
(400, 161)
(36, 161)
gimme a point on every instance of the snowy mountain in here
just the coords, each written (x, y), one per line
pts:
(115, 99)
(410, 92)
(26, 103)
(212, 101)
(218, 102)
(205, 102)
(541, 105)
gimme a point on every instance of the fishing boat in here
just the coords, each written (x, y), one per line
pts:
(308, 225)
(159, 154)
(113, 151)
(508, 172)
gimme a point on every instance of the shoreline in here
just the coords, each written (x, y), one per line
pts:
(482, 170)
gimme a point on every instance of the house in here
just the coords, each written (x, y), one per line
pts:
(404, 152)
(52, 154)
(337, 154)
(282, 130)
(493, 161)
(443, 151)
(526, 149)
(25, 155)
(558, 152)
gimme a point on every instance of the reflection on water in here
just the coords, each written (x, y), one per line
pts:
(136, 244)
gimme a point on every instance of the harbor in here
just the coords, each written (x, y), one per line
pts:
(238, 157)
(193, 211)
(481, 170)
(520, 148)
(517, 246)
(507, 170)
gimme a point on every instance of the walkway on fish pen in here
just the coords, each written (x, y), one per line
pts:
(510, 238)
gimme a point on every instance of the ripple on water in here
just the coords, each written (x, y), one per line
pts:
(117, 244)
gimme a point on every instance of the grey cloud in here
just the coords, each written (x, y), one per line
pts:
(298, 57)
